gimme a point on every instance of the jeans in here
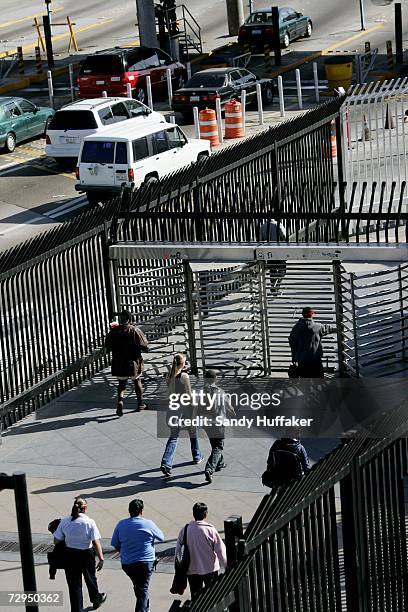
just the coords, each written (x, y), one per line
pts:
(216, 458)
(197, 582)
(170, 450)
(140, 573)
(81, 563)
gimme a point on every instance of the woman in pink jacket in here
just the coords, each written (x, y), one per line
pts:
(206, 548)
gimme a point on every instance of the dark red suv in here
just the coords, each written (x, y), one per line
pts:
(112, 69)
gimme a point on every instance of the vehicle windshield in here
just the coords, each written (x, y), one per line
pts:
(102, 64)
(73, 120)
(261, 17)
(206, 80)
(98, 152)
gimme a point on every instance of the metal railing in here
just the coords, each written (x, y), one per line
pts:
(336, 540)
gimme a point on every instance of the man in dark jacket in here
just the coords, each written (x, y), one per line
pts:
(127, 342)
(305, 341)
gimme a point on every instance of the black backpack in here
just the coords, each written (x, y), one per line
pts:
(283, 466)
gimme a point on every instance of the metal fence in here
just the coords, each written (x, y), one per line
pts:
(53, 322)
(336, 540)
(375, 132)
(352, 214)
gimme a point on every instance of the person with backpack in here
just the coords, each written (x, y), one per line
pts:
(216, 434)
(127, 343)
(287, 462)
(305, 342)
(82, 542)
(206, 551)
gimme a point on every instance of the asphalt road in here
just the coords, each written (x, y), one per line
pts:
(34, 195)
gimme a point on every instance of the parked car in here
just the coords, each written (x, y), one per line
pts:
(73, 122)
(258, 30)
(21, 120)
(205, 86)
(112, 69)
(125, 154)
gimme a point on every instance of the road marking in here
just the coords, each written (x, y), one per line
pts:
(70, 206)
(325, 51)
(32, 46)
(15, 21)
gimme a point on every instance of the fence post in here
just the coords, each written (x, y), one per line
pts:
(353, 314)
(20, 60)
(316, 82)
(50, 88)
(243, 108)
(341, 153)
(106, 264)
(260, 106)
(24, 534)
(402, 312)
(281, 100)
(196, 123)
(233, 531)
(189, 289)
(149, 92)
(169, 86)
(219, 120)
(71, 81)
(263, 312)
(354, 540)
(299, 88)
(338, 301)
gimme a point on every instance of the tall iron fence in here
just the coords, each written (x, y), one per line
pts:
(53, 322)
(354, 213)
(375, 132)
(336, 540)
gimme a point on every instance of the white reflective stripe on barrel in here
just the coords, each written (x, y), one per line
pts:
(214, 122)
(204, 134)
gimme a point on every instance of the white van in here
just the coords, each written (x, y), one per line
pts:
(73, 122)
(124, 155)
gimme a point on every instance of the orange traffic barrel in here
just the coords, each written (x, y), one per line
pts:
(234, 126)
(333, 140)
(208, 126)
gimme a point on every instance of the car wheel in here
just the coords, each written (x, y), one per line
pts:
(268, 95)
(47, 125)
(10, 143)
(286, 40)
(309, 29)
(139, 94)
(150, 180)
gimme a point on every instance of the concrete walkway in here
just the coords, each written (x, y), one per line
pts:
(77, 445)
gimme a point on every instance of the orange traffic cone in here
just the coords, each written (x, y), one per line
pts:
(234, 126)
(333, 140)
(208, 126)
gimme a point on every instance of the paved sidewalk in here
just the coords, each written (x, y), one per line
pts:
(77, 445)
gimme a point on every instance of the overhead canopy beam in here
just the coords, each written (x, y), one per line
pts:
(261, 251)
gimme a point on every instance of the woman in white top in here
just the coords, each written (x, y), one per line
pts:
(82, 540)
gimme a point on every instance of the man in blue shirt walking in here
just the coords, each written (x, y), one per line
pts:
(134, 538)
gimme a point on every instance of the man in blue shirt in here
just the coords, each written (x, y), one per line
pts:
(134, 538)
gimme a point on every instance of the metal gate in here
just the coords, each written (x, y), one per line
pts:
(155, 292)
(374, 130)
(375, 315)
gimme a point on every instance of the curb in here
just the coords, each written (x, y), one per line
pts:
(26, 81)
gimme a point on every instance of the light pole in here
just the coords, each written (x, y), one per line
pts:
(251, 6)
(362, 15)
(49, 12)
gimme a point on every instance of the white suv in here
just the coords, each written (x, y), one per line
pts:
(121, 155)
(73, 122)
